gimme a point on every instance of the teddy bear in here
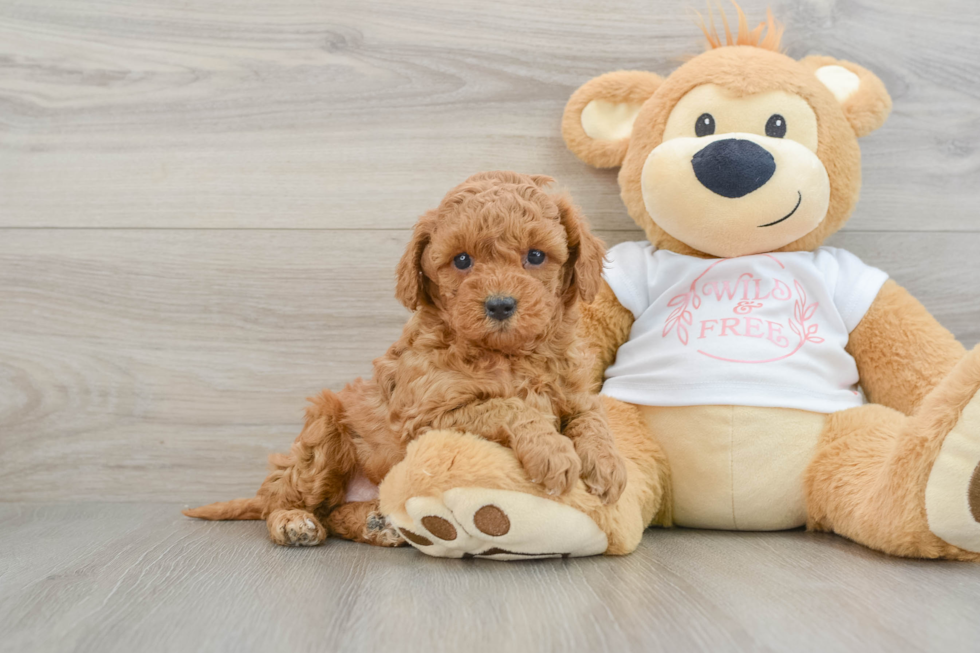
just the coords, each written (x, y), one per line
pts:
(754, 378)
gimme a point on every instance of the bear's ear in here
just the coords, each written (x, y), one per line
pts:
(861, 94)
(599, 116)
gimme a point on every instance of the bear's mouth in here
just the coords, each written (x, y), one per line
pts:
(788, 215)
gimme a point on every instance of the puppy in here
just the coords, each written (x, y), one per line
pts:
(493, 276)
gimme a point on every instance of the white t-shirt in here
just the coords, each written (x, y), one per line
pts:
(762, 330)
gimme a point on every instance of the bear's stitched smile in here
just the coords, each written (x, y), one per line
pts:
(787, 217)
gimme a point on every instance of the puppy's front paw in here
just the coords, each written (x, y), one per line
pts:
(295, 528)
(604, 473)
(550, 459)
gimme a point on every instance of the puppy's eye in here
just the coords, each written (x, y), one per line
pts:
(705, 126)
(776, 126)
(462, 261)
(535, 257)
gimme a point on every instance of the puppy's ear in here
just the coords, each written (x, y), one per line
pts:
(861, 94)
(410, 288)
(598, 119)
(583, 269)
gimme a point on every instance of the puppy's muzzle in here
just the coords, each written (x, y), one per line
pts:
(500, 307)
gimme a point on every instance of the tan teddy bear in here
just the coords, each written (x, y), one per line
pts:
(733, 345)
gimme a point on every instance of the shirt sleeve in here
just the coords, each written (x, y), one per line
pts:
(855, 285)
(627, 271)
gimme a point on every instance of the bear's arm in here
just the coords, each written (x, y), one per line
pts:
(902, 351)
(604, 326)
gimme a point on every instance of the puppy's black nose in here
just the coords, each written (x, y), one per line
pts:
(500, 308)
(733, 167)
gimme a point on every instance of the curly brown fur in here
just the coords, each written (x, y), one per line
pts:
(362, 521)
(522, 382)
(604, 327)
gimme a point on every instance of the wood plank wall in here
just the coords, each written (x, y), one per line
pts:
(201, 204)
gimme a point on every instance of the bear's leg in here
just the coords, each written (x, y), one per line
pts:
(905, 485)
(459, 495)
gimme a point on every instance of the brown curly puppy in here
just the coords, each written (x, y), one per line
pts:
(493, 275)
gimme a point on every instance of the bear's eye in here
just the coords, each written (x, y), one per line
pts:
(705, 126)
(535, 257)
(776, 126)
(462, 261)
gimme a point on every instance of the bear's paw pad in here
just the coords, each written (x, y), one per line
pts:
(498, 524)
(953, 489)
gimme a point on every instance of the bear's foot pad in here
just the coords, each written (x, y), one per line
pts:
(953, 490)
(499, 525)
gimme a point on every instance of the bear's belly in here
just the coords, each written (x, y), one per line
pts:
(736, 467)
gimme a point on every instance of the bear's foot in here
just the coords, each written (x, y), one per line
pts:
(498, 524)
(953, 489)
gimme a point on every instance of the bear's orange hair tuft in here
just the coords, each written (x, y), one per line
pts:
(773, 31)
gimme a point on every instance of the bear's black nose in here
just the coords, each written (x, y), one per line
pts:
(733, 167)
(500, 308)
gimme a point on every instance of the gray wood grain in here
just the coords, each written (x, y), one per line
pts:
(168, 364)
(141, 577)
(201, 207)
(340, 114)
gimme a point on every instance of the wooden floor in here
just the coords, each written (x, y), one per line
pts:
(140, 577)
(201, 207)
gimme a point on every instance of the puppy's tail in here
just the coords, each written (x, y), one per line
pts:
(315, 470)
(234, 509)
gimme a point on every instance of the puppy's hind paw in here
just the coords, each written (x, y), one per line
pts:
(295, 528)
(381, 532)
